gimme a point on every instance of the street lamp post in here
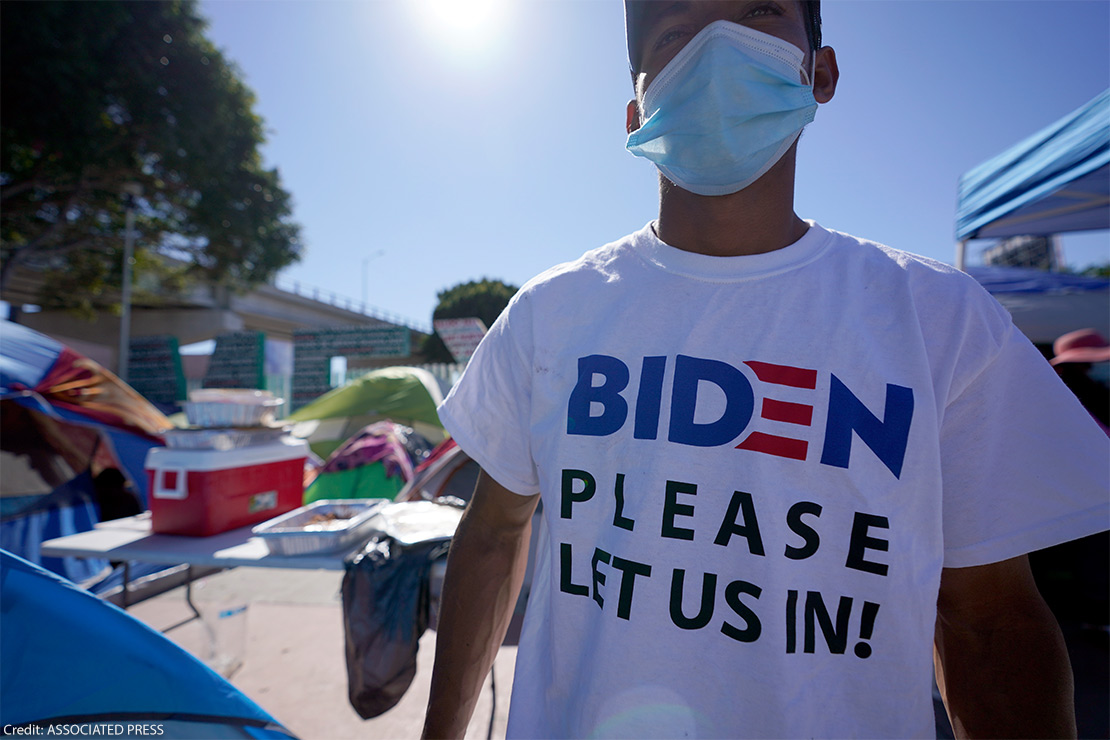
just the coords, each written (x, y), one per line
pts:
(366, 275)
(131, 190)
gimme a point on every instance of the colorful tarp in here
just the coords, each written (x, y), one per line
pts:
(372, 464)
(65, 418)
(44, 375)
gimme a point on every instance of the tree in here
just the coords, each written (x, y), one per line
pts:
(99, 95)
(484, 299)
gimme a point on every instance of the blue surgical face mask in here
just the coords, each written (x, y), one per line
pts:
(725, 109)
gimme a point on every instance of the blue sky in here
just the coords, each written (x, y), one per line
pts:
(424, 149)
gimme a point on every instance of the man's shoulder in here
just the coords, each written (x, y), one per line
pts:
(920, 272)
(948, 301)
(882, 254)
(602, 264)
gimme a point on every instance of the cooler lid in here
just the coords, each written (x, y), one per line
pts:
(288, 448)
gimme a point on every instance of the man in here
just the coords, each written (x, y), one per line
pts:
(776, 460)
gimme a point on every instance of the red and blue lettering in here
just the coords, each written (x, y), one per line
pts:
(601, 409)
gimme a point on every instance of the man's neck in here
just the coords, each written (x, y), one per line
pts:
(760, 218)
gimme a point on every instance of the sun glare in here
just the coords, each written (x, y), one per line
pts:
(472, 25)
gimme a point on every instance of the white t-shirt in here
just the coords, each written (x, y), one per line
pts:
(753, 470)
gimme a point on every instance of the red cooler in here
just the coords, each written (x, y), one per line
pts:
(205, 492)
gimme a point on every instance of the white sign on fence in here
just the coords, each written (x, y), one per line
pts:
(460, 335)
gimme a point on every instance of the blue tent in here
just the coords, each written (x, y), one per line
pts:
(1057, 180)
(87, 668)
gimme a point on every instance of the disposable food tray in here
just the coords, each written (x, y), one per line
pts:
(210, 414)
(230, 395)
(230, 407)
(222, 439)
(296, 533)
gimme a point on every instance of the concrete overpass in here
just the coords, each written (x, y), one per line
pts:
(277, 309)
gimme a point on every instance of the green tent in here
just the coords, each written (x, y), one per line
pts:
(405, 395)
(368, 481)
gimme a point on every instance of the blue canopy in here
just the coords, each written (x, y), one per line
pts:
(74, 660)
(1055, 181)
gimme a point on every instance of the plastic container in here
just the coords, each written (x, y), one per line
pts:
(205, 492)
(323, 526)
(226, 624)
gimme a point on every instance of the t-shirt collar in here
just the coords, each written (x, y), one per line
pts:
(658, 253)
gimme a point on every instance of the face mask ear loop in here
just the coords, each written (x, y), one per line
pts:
(812, 71)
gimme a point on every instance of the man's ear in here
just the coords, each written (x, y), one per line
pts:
(632, 116)
(825, 75)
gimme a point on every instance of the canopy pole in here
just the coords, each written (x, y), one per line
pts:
(961, 255)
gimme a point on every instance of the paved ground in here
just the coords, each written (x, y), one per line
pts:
(290, 641)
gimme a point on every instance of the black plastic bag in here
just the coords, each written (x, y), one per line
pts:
(385, 611)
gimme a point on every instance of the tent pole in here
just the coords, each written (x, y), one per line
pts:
(961, 255)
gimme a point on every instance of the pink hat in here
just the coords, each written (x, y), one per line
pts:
(1084, 345)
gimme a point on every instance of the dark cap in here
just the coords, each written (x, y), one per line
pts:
(635, 10)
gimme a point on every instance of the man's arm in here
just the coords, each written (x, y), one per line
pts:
(485, 568)
(1001, 663)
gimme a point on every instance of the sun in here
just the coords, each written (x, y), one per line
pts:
(465, 24)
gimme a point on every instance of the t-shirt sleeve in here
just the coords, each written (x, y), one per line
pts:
(1024, 465)
(488, 411)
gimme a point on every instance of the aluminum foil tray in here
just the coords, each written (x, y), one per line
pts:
(322, 526)
(222, 439)
(211, 414)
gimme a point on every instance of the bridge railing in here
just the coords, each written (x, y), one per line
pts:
(330, 297)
